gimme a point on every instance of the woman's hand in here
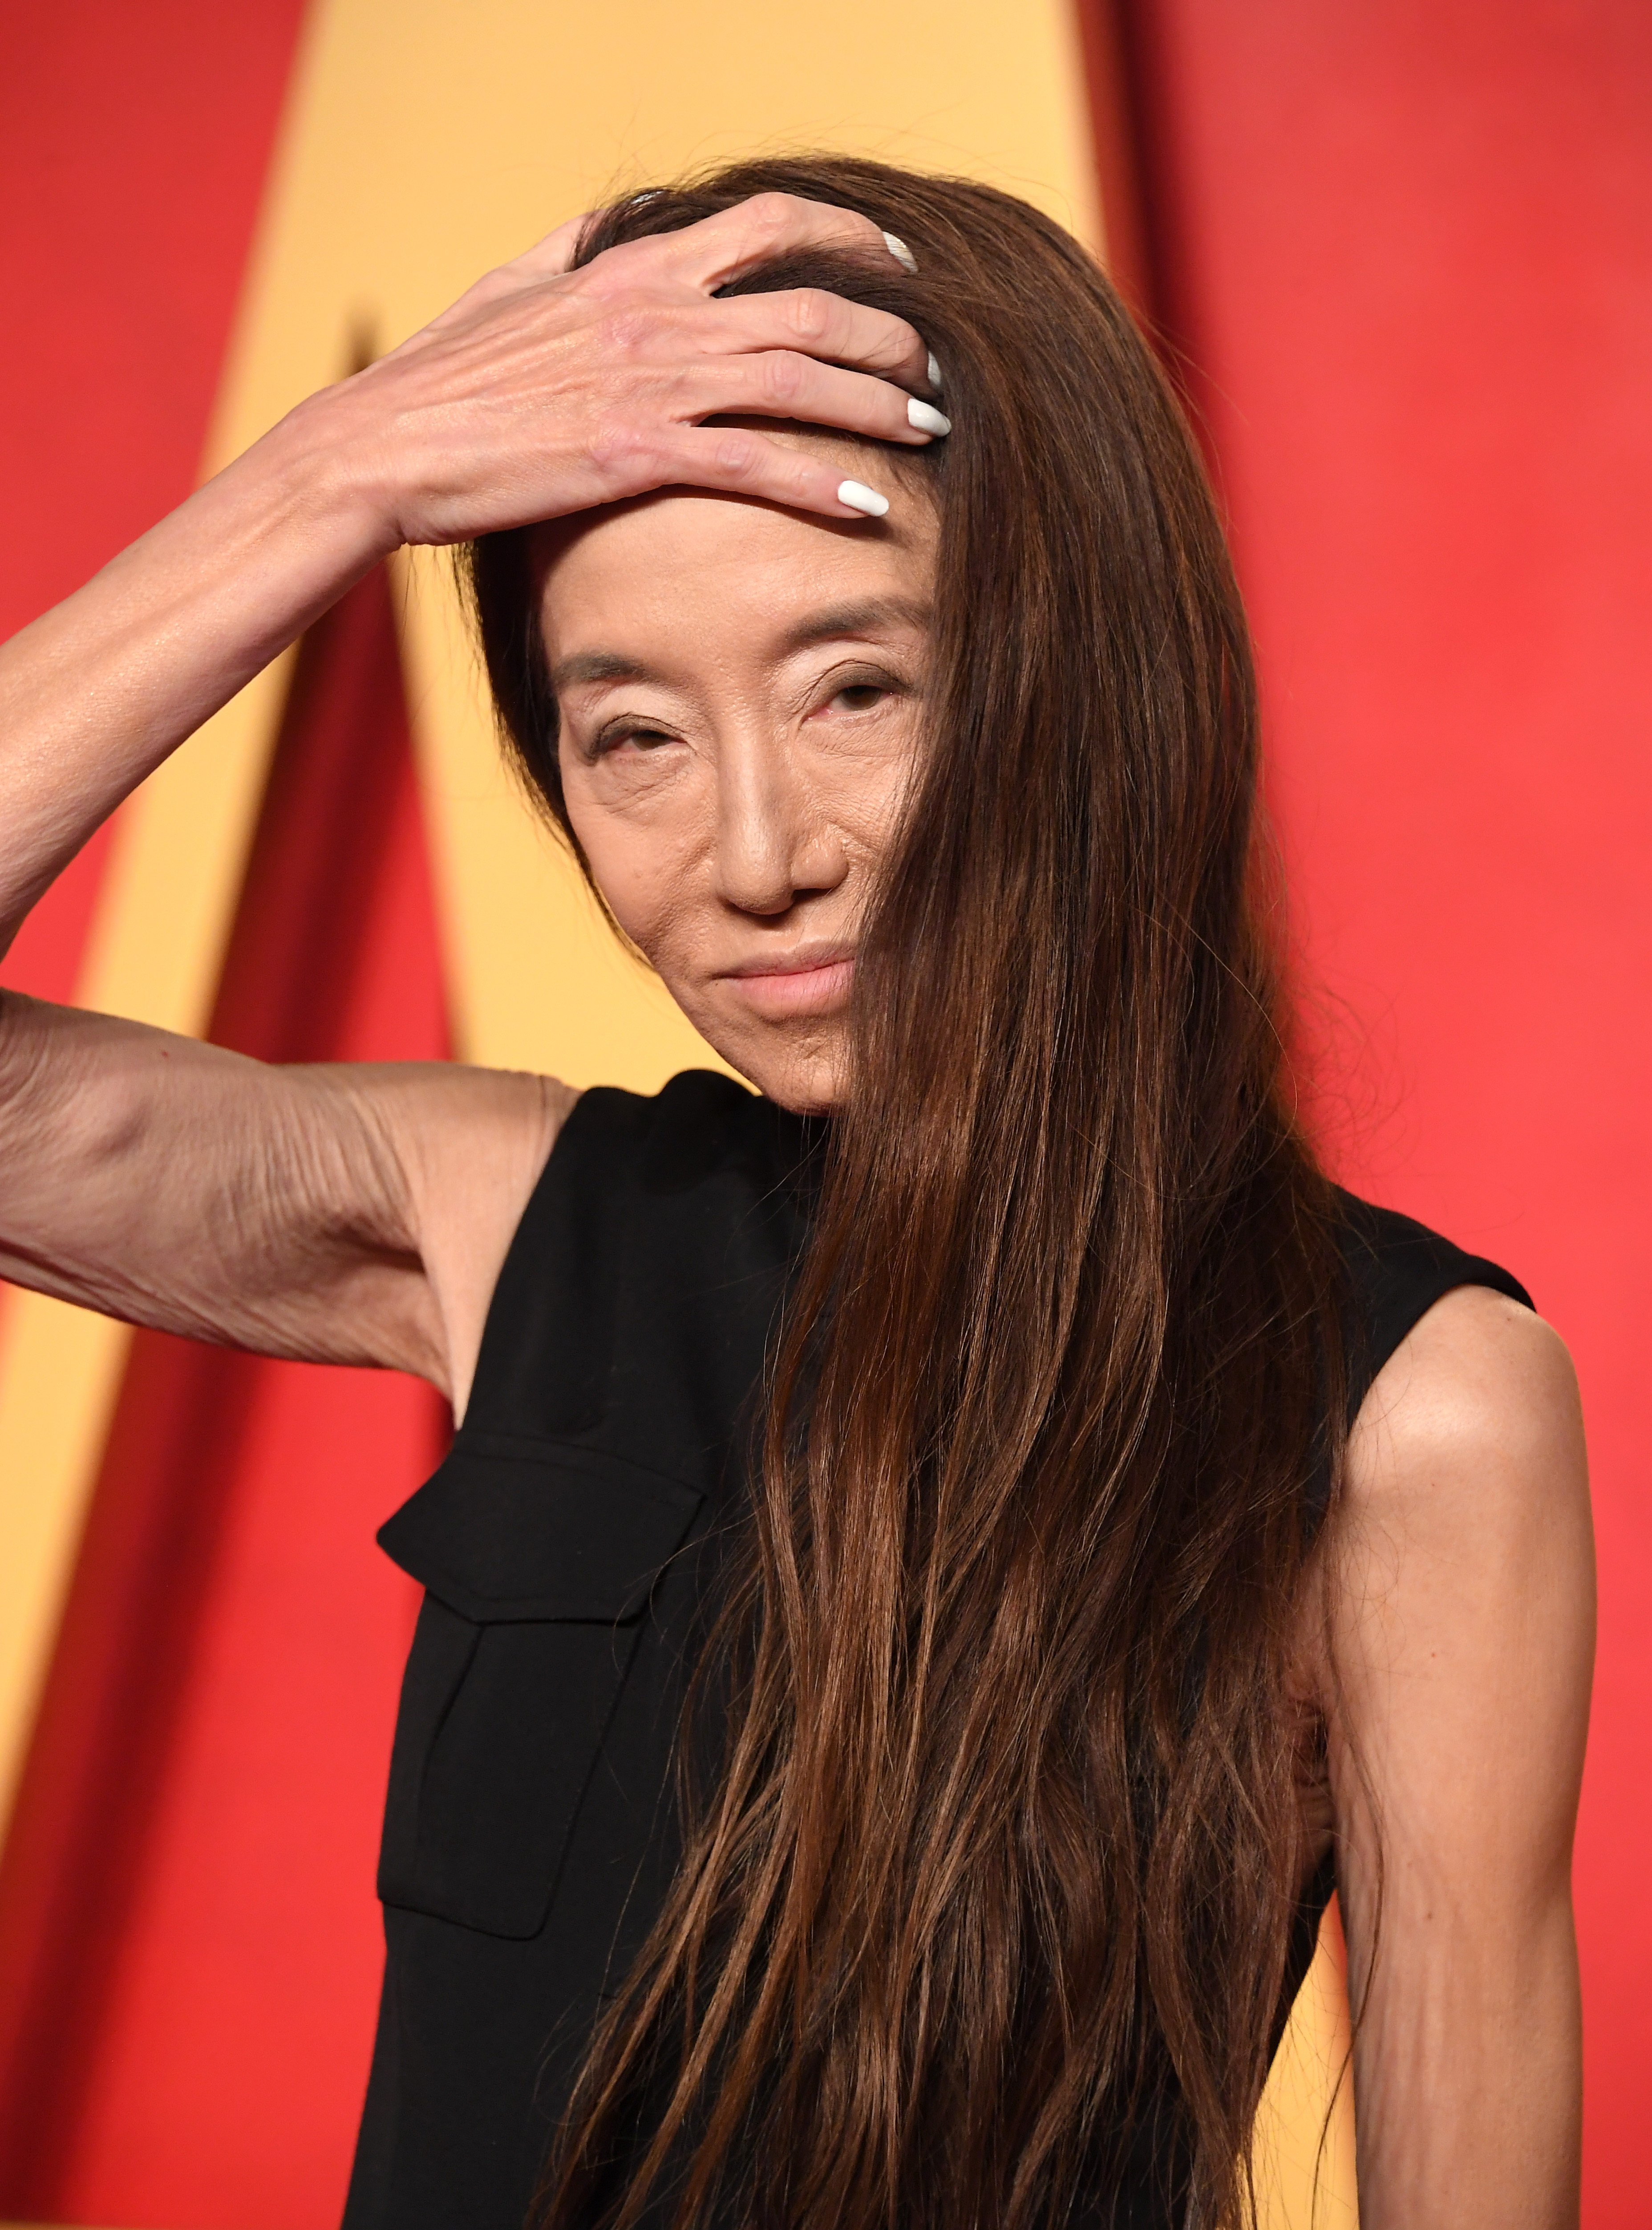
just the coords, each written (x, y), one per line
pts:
(545, 390)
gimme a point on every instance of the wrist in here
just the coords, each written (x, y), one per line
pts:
(321, 478)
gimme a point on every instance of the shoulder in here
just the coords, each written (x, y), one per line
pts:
(1463, 1406)
(1459, 1569)
(469, 1146)
(1475, 1418)
(1395, 1271)
(463, 1137)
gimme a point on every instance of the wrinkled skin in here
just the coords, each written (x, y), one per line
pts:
(740, 691)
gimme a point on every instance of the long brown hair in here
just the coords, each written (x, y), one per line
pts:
(988, 1913)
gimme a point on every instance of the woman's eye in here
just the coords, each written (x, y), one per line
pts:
(642, 739)
(862, 694)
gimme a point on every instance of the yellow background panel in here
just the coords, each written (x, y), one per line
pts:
(423, 141)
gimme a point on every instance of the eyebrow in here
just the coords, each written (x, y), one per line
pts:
(866, 617)
(598, 666)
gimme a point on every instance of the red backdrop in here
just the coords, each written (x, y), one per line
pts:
(133, 146)
(1409, 252)
(189, 1952)
(1408, 245)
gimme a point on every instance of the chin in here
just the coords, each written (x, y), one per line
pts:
(801, 1099)
(805, 1079)
(802, 1087)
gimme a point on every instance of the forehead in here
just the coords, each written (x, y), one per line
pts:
(694, 566)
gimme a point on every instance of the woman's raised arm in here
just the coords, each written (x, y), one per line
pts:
(541, 392)
(178, 1185)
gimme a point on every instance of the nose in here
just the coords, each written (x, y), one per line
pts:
(775, 843)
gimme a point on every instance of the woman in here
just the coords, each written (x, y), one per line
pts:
(946, 1562)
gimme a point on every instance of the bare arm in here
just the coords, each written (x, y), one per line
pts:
(1461, 1618)
(340, 1213)
(354, 1214)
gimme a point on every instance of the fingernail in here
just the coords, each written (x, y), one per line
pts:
(926, 417)
(934, 373)
(859, 498)
(901, 252)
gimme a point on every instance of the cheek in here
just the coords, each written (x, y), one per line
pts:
(640, 861)
(862, 793)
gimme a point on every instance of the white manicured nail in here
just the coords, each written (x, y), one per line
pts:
(934, 373)
(860, 498)
(901, 252)
(926, 417)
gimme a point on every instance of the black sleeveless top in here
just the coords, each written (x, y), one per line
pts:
(565, 1546)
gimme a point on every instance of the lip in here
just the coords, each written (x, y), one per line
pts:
(809, 980)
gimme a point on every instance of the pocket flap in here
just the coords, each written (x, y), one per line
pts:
(511, 1527)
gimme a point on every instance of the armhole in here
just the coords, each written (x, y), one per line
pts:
(1396, 1269)
(1393, 1269)
(564, 1238)
(546, 1344)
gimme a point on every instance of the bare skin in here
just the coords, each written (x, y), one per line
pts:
(1460, 1592)
(741, 672)
(734, 781)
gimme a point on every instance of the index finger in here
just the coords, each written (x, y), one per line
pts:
(547, 259)
(550, 257)
(718, 248)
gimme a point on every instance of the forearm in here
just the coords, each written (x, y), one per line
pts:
(101, 689)
(1468, 2083)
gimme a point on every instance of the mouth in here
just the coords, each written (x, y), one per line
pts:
(811, 980)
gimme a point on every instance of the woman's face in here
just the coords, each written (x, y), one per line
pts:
(740, 690)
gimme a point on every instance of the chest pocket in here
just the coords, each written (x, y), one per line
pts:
(538, 1560)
